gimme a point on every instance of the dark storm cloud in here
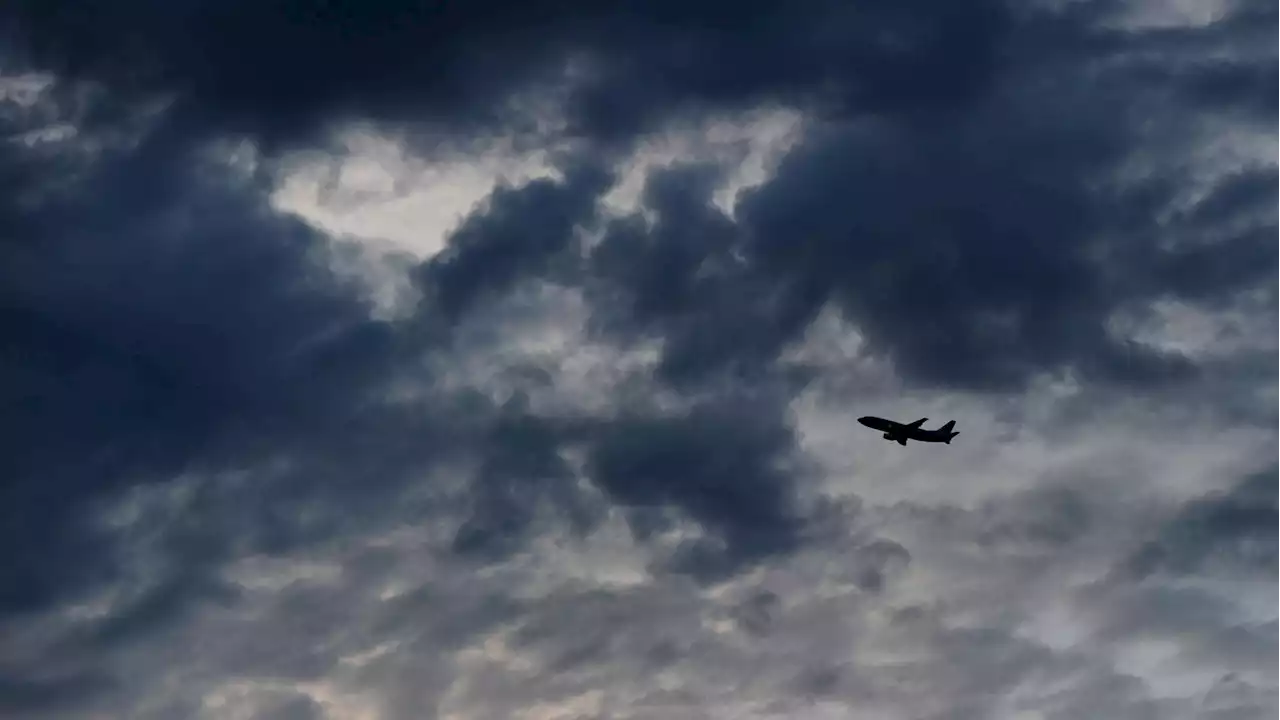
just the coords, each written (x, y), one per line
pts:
(522, 467)
(728, 464)
(679, 280)
(725, 464)
(902, 58)
(162, 320)
(950, 199)
(198, 336)
(969, 239)
(518, 234)
(1233, 71)
(976, 251)
(285, 68)
(1233, 532)
(21, 695)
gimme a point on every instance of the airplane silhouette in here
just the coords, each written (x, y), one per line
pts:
(912, 431)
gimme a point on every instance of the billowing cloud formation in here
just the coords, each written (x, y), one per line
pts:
(284, 68)
(605, 463)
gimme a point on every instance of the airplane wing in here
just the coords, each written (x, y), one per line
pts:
(917, 423)
(902, 441)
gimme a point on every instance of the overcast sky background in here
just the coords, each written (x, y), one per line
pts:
(464, 360)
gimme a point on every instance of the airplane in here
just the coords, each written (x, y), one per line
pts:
(912, 431)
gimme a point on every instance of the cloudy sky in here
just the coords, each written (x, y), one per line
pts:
(369, 360)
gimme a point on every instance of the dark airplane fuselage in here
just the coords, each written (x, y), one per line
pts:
(901, 432)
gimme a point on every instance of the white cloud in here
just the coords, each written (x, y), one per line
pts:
(387, 203)
(378, 189)
(382, 189)
(750, 145)
(1169, 14)
(1202, 333)
(25, 90)
(587, 628)
(536, 341)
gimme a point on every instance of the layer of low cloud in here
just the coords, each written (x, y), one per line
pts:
(504, 360)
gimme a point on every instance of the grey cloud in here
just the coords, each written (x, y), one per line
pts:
(728, 463)
(135, 361)
(297, 708)
(958, 288)
(724, 464)
(1234, 698)
(519, 234)
(949, 199)
(281, 71)
(522, 465)
(1043, 520)
(19, 695)
(681, 280)
(1232, 532)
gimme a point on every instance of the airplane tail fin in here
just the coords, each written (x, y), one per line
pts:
(947, 429)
